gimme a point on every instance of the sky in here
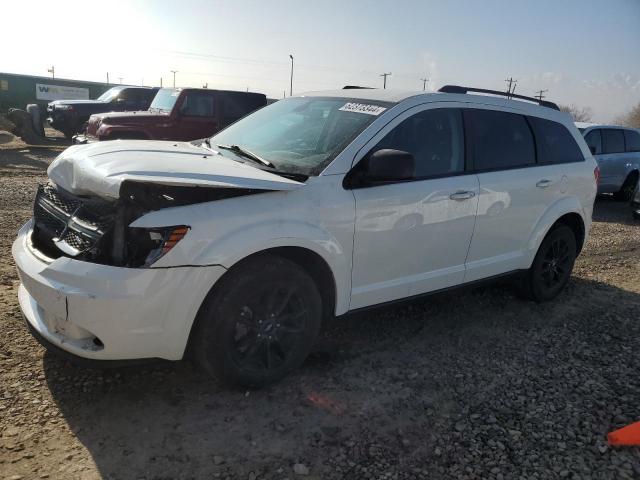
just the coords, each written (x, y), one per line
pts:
(584, 52)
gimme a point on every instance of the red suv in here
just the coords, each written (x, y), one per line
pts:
(175, 114)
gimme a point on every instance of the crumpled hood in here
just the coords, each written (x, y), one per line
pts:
(100, 168)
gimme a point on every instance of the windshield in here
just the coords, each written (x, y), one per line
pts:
(165, 99)
(302, 135)
(109, 94)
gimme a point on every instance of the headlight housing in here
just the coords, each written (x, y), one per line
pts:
(145, 246)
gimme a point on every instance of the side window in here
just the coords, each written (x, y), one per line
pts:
(197, 105)
(235, 106)
(554, 143)
(500, 140)
(594, 140)
(434, 137)
(632, 139)
(612, 141)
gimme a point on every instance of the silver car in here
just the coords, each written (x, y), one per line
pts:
(617, 151)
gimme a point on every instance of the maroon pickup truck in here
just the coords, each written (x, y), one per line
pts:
(175, 114)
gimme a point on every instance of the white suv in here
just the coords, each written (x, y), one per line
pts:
(235, 248)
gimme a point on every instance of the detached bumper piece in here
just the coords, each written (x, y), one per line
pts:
(83, 139)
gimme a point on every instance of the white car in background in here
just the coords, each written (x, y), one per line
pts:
(235, 250)
(617, 151)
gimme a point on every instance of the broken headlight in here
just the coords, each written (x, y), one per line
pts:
(148, 245)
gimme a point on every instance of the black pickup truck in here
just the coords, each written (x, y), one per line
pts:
(68, 116)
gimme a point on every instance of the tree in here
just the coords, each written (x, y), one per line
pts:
(631, 118)
(583, 114)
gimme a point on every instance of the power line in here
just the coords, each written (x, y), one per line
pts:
(384, 76)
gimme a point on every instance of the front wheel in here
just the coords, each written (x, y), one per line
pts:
(259, 323)
(552, 265)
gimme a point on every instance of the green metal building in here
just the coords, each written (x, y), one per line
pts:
(17, 91)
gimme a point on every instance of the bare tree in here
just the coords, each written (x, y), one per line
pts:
(579, 114)
(631, 118)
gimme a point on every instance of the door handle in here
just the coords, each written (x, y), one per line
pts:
(462, 195)
(544, 183)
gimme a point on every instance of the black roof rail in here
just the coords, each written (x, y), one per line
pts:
(459, 89)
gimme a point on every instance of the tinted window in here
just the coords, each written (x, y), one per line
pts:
(594, 140)
(434, 137)
(632, 139)
(612, 141)
(554, 143)
(500, 140)
(197, 105)
(237, 105)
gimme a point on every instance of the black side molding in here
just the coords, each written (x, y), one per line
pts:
(459, 89)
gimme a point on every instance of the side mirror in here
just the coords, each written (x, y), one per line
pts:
(383, 166)
(592, 149)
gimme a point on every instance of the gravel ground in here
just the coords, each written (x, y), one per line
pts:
(473, 384)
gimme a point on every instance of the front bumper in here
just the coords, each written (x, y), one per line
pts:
(101, 312)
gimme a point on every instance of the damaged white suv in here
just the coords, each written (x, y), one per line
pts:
(235, 248)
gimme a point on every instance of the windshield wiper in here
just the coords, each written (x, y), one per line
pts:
(247, 154)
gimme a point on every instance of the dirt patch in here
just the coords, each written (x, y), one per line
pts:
(473, 384)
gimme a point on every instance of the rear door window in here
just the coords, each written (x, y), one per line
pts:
(632, 140)
(612, 140)
(554, 143)
(499, 140)
(594, 140)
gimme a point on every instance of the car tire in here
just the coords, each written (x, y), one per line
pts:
(551, 267)
(625, 194)
(259, 323)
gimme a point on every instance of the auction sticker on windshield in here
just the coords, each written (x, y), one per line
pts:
(362, 108)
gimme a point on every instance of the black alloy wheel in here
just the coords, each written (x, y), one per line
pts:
(552, 265)
(258, 323)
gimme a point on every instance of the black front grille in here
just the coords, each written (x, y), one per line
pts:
(67, 224)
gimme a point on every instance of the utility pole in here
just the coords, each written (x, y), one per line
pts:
(540, 94)
(206, 85)
(107, 78)
(52, 71)
(384, 76)
(512, 85)
(120, 78)
(174, 77)
(160, 82)
(424, 83)
(291, 86)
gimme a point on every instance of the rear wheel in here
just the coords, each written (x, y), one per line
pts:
(259, 323)
(552, 266)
